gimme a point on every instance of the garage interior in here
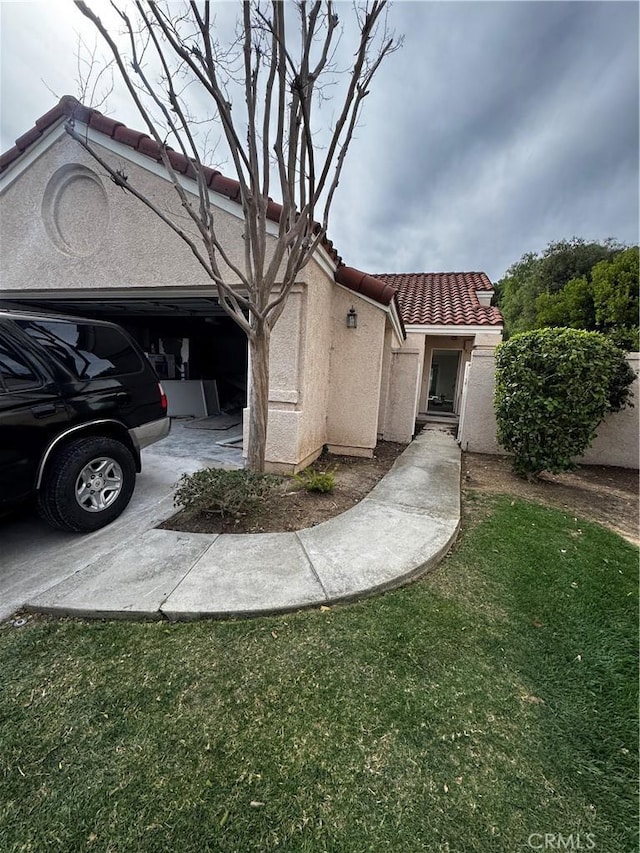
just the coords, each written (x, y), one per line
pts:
(198, 351)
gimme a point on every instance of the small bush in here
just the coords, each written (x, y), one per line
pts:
(553, 388)
(317, 481)
(230, 494)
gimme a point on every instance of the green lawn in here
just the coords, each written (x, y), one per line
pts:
(493, 700)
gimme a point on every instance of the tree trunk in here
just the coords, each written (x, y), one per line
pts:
(258, 398)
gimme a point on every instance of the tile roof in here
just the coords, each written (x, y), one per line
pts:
(444, 298)
(367, 285)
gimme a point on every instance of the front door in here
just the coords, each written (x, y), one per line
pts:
(443, 382)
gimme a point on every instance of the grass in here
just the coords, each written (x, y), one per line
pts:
(494, 699)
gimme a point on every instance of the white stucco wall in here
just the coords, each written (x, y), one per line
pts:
(385, 378)
(617, 442)
(618, 439)
(285, 385)
(299, 374)
(64, 224)
(405, 373)
(315, 374)
(355, 375)
(477, 430)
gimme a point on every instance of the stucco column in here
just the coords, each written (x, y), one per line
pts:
(477, 431)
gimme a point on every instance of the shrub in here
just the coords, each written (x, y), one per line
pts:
(317, 481)
(230, 494)
(553, 388)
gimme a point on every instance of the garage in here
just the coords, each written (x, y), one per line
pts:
(198, 351)
(77, 243)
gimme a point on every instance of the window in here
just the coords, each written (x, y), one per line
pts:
(15, 374)
(88, 351)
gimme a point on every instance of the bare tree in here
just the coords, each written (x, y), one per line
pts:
(94, 75)
(263, 87)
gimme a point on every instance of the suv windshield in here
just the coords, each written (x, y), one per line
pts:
(87, 351)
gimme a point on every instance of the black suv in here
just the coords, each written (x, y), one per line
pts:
(78, 401)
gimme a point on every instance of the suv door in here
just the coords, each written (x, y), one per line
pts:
(31, 414)
(106, 375)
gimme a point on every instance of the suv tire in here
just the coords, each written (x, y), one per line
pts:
(65, 499)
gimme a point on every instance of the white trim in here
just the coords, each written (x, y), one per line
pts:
(362, 296)
(128, 153)
(452, 330)
(396, 322)
(57, 131)
(35, 150)
(119, 293)
(325, 261)
(462, 417)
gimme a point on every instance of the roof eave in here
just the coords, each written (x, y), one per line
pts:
(452, 328)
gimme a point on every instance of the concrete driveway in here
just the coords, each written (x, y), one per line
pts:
(34, 557)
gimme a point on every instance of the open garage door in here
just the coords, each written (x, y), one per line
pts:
(198, 351)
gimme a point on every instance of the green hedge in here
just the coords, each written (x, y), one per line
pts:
(553, 388)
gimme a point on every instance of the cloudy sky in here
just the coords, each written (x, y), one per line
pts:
(499, 127)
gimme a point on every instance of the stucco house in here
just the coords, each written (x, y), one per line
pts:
(72, 241)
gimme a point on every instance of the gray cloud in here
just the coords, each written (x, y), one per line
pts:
(498, 127)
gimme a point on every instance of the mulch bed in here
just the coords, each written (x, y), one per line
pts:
(292, 507)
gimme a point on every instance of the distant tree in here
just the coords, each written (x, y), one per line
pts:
(616, 297)
(569, 259)
(607, 303)
(553, 388)
(548, 273)
(516, 294)
(571, 307)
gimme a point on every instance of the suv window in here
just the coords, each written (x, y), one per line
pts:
(15, 373)
(87, 351)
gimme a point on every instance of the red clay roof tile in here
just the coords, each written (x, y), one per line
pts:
(178, 161)
(227, 186)
(49, 117)
(273, 210)
(211, 175)
(127, 136)
(70, 106)
(103, 124)
(28, 138)
(9, 156)
(365, 284)
(447, 299)
(149, 147)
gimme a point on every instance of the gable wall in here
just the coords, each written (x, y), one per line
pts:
(88, 233)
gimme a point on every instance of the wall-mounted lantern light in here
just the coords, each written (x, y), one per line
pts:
(352, 318)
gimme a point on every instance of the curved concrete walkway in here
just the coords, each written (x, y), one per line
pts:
(403, 527)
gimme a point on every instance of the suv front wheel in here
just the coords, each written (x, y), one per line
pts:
(87, 484)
